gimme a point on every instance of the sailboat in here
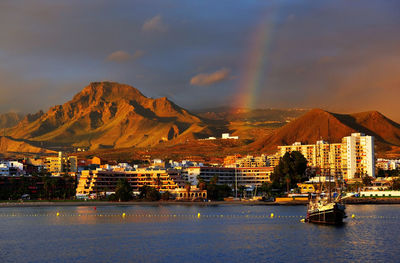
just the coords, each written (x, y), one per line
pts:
(324, 211)
(325, 208)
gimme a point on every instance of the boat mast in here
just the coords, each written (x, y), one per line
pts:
(236, 185)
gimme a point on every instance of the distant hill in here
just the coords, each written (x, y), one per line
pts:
(248, 123)
(10, 145)
(250, 115)
(110, 115)
(10, 119)
(319, 124)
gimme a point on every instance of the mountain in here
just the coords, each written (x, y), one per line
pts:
(332, 127)
(10, 119)
(110, 115)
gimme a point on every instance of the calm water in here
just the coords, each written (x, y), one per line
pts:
(175, 234)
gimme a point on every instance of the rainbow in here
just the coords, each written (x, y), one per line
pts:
(256, 63)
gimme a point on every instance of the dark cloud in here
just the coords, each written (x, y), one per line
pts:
(339, 55)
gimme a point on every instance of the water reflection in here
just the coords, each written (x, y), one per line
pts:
(165, 233)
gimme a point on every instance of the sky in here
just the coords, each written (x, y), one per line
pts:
(341, 56)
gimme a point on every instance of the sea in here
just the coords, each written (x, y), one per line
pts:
(196, 233)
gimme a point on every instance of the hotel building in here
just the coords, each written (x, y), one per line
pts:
(104, 181)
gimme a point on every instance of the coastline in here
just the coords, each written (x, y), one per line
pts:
(131, 203)
(352, 201)
(374, 200)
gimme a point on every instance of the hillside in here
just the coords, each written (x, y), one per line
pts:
(247, 123)
(319, 124)
(10, 119)
(196, 150)
(250, 115)
(314, 125)
(14, 146)
(110, 115)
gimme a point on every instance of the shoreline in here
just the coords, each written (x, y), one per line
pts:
(350, 201)
(131, 203)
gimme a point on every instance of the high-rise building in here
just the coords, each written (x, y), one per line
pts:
(247, 161)
(325, 156)
(358, 156)
(352, 158)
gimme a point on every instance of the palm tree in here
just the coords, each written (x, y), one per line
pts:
(241, 190)
(202, 185)
(123, 190)
(158, 182)
(214, 180)
(187, 187)
(287, 177)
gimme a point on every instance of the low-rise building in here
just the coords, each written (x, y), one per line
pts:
(11, 168)
(227, 136)
(60, 164)
(189, 194)
(246, 176)
(379, 194)
(306, 188)
(4, 171)
(224, 175)
(387, 164)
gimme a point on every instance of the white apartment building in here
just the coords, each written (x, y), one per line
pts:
(352, 158)
(358, 155)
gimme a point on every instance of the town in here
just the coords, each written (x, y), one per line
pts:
(248, 178)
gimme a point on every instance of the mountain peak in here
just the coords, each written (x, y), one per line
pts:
(109, 91)
(370, 114)
(317, 111)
